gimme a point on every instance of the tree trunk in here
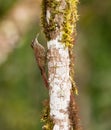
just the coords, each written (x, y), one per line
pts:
(59, 84)
(59, 22)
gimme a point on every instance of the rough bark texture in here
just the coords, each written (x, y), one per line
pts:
(60, 84)
(59, 22)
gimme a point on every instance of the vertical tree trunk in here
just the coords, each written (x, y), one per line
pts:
(59, 83)
(59, 22)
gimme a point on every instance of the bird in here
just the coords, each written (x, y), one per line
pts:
(40, 55)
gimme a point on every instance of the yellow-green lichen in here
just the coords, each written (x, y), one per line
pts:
(62, 21)
(69, 34)
(46, 119)
(69, 24)
(65, 10)
(71, 73)
(50, 29)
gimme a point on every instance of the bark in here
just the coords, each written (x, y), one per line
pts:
(59, 22)
(60, 84)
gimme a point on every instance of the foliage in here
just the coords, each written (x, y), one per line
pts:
(5, 5)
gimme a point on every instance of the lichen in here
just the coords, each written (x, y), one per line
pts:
(50, 28)
(62, 20)
(45, 118)
(69, 24)
(74, 87)
(69, 35)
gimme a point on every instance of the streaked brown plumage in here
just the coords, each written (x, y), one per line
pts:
(40, 55)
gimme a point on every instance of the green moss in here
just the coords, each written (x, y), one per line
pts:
(46, 119)
(63, 18)
(69, 16)
(69, 34)
(69, 25)
(51, 27)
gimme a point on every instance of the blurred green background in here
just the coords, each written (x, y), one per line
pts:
(21, 87)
